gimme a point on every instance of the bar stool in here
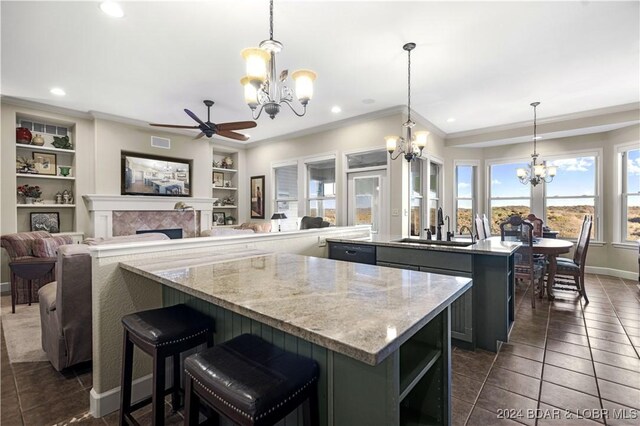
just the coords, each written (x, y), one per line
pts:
(160, 333)
(250, 382)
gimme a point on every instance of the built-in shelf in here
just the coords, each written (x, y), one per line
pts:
(225, 207)
(45, 148)
(224, 187)
(39, 176)
(417, 358)
(49, 206)
(220, 169)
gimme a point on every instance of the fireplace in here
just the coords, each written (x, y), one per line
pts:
(174, 234)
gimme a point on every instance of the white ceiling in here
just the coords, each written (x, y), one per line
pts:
(480, 62)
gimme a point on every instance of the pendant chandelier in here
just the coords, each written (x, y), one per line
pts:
(411, 146)
(535, 173)
(264, 90)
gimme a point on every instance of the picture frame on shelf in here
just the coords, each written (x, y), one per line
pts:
(45, 163)
(257, 197)
(218, 179)
(45, 221)
(219, 218)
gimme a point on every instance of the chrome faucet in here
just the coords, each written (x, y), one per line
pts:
(473, 237)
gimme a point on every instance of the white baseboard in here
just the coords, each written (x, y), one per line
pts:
(627, 275)
(5, 287)
(102, 404)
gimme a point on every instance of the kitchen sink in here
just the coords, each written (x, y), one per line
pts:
(436, 242)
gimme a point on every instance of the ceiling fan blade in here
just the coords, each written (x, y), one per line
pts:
(195, 117)
(201, 134)
(175, 126)
(233, 135)
(236, 125)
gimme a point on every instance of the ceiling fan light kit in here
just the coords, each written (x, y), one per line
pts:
(264, 89)
(413, 144)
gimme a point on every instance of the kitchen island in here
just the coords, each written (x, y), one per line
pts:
(484, 315)
(380, 335)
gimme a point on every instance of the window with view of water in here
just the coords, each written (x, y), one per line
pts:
(507, 195)
(571, 195)
(286, 190)
(631, 195)
(465, 205)
(415, 199)
(321, 181)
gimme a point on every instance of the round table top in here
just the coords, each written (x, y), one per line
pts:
(551, 246)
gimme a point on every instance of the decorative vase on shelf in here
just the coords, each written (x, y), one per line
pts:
(229, 221)
(23, 135)
(29, 200)
(37, 140)
(64, 170)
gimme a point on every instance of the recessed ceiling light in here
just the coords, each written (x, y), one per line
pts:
(112, 9)
(336, 109)
(368, 101)
(57, 91)
(451, 120)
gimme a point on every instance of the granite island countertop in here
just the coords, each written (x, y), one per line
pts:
(491, 246)
(362, 311)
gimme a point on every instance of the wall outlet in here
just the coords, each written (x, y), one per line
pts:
(395, 212)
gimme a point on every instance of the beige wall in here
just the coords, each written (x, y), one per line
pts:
(115, 137)
(360, 135)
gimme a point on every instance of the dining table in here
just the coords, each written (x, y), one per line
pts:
(551, 248)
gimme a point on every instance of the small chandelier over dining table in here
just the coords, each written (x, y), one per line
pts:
(264, 90)
(410, 146)
(535, 173)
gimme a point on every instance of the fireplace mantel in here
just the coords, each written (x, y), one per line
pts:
(101, 208)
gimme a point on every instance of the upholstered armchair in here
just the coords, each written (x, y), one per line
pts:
(308, 222)
(65, 304)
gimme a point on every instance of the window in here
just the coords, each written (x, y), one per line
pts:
(361, 160)
(630, 166)
(465, 196)
(321, 182)
(571, 195)
(507, 196)
(286, 190)
(415, 199)
(434, 193)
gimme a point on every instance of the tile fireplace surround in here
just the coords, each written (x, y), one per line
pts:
(114, 215)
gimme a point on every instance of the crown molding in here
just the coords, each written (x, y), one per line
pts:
(558, 118)
(32, 104)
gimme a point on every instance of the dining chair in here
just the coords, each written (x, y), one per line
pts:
(537, 223)
(570, 272)
(527, 267)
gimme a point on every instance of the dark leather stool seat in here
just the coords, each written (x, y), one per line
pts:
(160, 333)
(251, 382)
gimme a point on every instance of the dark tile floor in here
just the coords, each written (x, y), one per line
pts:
(563, 357)
(566, 362)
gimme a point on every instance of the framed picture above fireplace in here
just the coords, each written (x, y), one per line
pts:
(146, 174)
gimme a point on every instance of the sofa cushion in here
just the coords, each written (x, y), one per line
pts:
(123, 239)
(48, 247)
(257, 227)
(20, 244)
(47, 296)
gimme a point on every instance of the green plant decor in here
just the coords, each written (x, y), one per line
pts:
(62, 142)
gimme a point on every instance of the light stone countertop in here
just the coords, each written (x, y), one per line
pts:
(362, 311)
(490, 246)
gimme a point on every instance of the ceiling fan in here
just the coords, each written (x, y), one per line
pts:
(208, 129)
